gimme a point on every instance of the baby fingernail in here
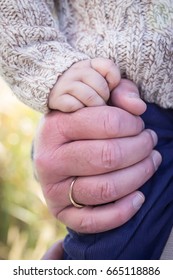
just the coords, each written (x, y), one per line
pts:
(138, 200)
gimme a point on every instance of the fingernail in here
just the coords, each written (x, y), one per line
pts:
(138, 200)
(133, 95)
(157, 158)
(154, 136)
(143, 124)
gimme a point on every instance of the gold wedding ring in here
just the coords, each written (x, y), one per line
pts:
(77, 205)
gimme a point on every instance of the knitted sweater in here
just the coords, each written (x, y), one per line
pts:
(36, 47)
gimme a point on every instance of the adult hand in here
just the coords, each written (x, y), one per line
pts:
(108, 151)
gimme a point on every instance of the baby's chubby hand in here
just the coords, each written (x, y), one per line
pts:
(85, 83)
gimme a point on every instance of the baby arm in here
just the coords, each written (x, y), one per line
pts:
(33, 50)
(85, 83)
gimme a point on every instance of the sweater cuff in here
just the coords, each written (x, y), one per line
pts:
(37, 72)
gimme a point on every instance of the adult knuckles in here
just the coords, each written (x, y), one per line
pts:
(43, 163)
(107, 192)
(88, 224)
(111, 154)
(46, 164)
(50, 125)
(49, 191)
(111, 121)
(54, 131)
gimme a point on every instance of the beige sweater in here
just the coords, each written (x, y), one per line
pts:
(38, 43)
(36, 48)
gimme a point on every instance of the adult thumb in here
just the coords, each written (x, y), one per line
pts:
(126, 96)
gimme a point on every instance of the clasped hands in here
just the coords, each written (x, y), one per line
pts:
(109, 151)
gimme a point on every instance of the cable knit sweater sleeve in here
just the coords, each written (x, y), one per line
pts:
(33, 51)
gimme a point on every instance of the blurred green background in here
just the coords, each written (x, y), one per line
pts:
(27, 228)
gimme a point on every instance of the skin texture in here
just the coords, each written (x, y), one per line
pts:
(85, 83)
(109, 151)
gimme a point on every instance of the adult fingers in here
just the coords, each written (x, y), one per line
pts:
(126, 96)
(92, 157)
(104, 188)
(57, 130)
(102, 218)
(97, 123)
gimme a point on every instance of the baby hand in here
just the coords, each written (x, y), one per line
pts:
(85, 83)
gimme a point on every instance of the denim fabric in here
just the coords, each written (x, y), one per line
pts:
(145, 235)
